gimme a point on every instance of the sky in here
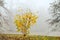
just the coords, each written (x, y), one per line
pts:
(42, 6)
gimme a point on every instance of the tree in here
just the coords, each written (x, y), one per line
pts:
(55, 12)
(4, 19)
(25, 21)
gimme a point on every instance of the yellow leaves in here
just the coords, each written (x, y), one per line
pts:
(24, 21)
(17, 17)
(18, 29)
(33, 19)
(18, 23)
(23, 30)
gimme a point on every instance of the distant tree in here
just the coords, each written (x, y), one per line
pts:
(4, 19)
(55, 12)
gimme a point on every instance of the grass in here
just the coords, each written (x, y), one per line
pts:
(22, 37)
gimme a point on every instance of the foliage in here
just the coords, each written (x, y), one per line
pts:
(24, 21)
(1, 2)
(55, 12)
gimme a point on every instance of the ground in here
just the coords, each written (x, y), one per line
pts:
(28, 37)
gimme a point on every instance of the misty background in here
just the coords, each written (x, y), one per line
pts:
(42, 8)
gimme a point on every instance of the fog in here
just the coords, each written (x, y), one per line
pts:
(42, 6)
